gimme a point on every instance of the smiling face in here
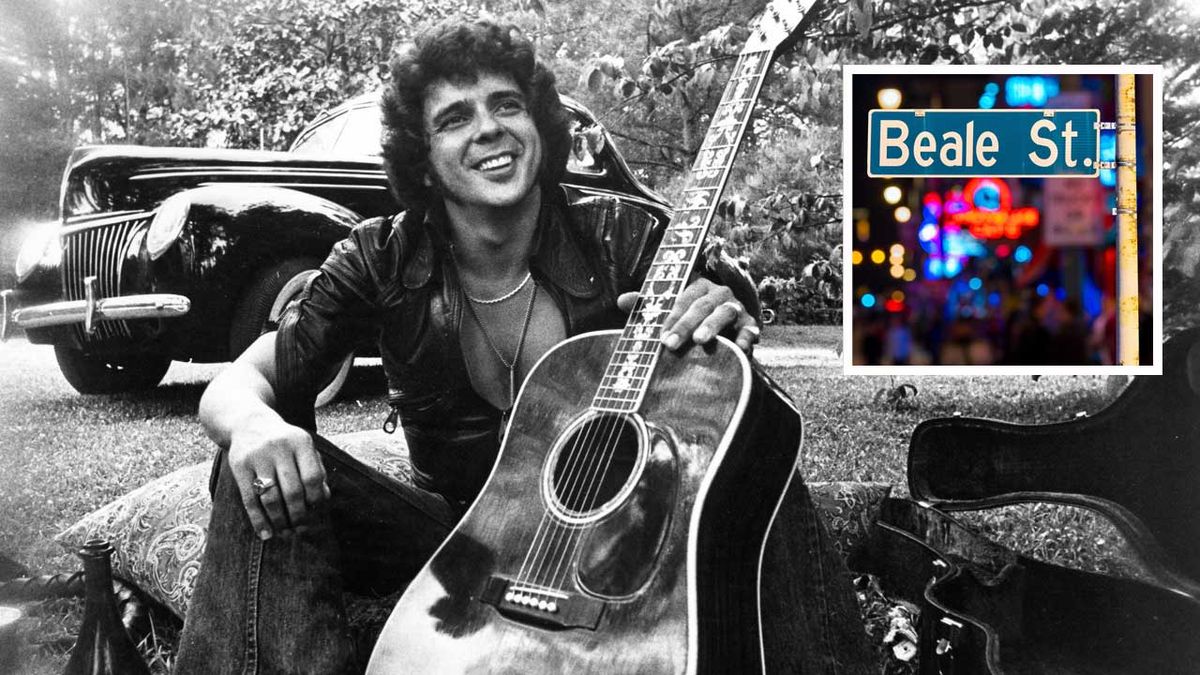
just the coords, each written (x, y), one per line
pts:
(484, 149)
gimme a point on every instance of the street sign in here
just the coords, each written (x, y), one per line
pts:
(984, 143)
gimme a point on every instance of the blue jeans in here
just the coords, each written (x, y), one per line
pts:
(277, 606)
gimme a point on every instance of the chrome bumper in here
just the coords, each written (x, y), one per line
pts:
(91, 310)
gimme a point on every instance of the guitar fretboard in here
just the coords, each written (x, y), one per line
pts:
(628, 373)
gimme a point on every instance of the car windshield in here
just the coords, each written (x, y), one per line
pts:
(321, 140)
(362, 133)
(354, 132)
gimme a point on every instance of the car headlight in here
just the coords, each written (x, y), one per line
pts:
(81, 196)
(42, 246)
(167, 224)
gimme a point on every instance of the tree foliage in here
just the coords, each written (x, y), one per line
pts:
(776, 220)
(250, 73)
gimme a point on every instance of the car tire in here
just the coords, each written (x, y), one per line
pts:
(110, 374)
(264, 301)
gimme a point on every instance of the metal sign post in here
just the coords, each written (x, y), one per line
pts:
(1127, 224)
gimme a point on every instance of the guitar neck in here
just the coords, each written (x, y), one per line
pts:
(632, 363)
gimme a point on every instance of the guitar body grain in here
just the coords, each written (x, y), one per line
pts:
(673, 567)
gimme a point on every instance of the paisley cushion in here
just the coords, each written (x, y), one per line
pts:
(158, 532)
(159, 529)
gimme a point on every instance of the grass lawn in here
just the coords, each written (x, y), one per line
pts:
(62, 454)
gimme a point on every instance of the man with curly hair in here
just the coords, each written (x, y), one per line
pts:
(488, 267)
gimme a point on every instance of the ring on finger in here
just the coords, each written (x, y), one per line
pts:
(260, 485)
(734, 305)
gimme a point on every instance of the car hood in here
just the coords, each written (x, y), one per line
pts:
(130, 177)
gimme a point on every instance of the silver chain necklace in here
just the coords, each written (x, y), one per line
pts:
(491, 301)
(502, 298)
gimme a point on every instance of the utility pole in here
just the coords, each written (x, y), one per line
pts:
(1128, 315)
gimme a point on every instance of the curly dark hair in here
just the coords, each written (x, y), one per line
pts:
(461, 51)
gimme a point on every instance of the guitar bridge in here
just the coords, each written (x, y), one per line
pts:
(545, 607)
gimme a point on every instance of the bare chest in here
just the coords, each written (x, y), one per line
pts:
(501, 342)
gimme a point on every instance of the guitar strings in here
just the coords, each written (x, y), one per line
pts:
(595, 452)
(587, 488)
(548, 535)
(561, 568)
(581, 455)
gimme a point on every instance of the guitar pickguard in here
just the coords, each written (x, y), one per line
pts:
(619, 555)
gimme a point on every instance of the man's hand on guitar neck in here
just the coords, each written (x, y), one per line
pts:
(703, 310)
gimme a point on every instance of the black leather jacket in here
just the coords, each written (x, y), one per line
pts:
(389, 280)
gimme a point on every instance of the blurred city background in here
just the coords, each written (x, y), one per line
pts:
(990, 270)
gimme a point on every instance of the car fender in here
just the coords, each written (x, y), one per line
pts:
(233, 232)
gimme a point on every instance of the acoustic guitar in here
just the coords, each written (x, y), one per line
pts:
(623, 525)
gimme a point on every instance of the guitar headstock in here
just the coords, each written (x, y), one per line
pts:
(778, 27)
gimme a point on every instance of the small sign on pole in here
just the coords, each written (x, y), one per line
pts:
(1072, 212)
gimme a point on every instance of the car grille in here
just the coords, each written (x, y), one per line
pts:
(98, 251)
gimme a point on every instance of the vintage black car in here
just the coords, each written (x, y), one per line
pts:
(165, 254)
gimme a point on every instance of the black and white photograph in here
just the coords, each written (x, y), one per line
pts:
(512, 336)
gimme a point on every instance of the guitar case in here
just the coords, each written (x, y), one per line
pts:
(988, 609)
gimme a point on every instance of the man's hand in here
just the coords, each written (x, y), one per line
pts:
(703, 310)
(289, 474)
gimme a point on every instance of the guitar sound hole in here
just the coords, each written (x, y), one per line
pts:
(594, 463)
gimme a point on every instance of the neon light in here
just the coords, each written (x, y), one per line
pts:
(1008, 225)
(1002, 251)
(994, 299)
(889, 98)
(1043, 290)
(953, 267)
(867, 300)
(928, 232)
(1029, 90)
(955, 203)
(955, 242)
(1023, 254)
(987, 99)
(932, 204)
(1108, 153)
(992, 215)
(893, 306)
(988, 194)
(975, 283)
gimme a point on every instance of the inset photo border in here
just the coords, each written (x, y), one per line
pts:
(978, 237)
